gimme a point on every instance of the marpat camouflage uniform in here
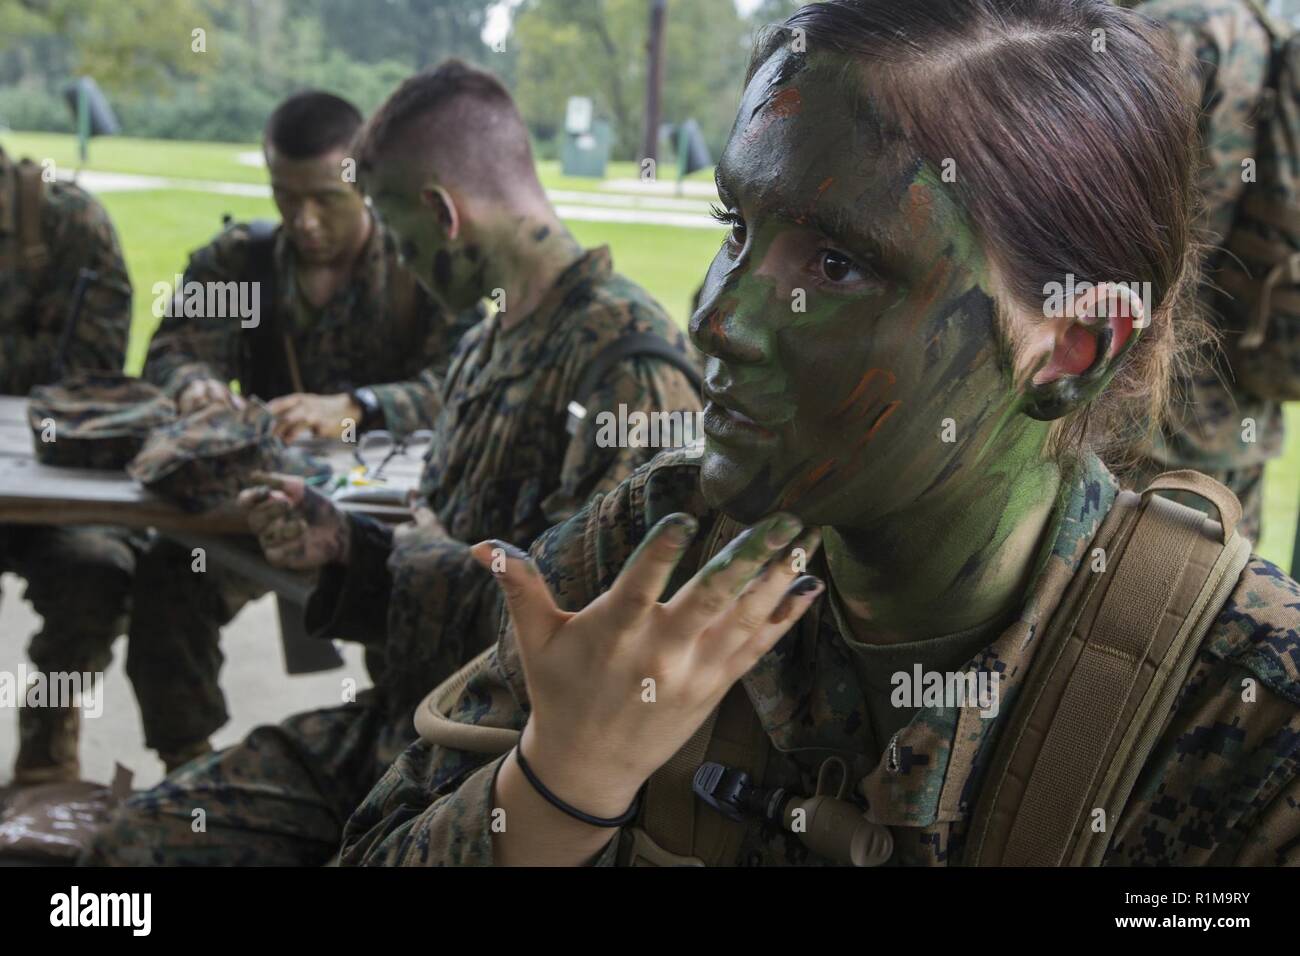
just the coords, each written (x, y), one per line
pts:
(95, 563)
(359, 338)
(1225, 53)
(502, 465)
(1220, 787)
(354, 340)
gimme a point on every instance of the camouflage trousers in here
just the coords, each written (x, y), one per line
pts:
(1246, 483)
(280, 797)
(79, 582)
(174, 654)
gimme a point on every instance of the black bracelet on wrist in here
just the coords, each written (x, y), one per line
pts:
(606, 822)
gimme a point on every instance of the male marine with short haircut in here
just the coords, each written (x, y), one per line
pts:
(344, 334)
(447, 163)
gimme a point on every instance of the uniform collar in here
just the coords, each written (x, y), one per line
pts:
(595, 265)
(369, 274)
(807, 696)
(519, 349)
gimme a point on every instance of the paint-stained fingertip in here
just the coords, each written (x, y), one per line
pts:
(799, 596)
(806, 585)
(809, 541)
(781, 529)
(495, 555)
(680, 528)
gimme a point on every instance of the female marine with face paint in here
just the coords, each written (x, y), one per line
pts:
(894, 411)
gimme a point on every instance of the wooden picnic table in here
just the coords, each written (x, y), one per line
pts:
(33, 493)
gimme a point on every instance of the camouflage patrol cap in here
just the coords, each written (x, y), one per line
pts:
(95, 419)
(206, 458)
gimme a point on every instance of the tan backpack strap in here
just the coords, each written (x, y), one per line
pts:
(675, 829)
(667, 821)
(30, 195)
(1102, 685)
(434, 725)
(1203, 486)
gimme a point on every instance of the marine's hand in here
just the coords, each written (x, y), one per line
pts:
(424, 527)
(618, 687)
(203, 392)
(314, 416)
(297, 527)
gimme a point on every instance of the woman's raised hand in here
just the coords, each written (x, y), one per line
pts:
(618, 687)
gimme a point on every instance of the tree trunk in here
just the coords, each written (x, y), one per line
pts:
(654, 79)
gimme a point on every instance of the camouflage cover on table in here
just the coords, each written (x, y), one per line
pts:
(95, 419)
(205, 459)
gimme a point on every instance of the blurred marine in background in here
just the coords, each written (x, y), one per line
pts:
(1227, 419)
(343, 335)
(448, 164)
(50, 232)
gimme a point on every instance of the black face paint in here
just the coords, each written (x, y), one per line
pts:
(442, 270)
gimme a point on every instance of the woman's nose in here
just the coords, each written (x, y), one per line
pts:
(726, 329)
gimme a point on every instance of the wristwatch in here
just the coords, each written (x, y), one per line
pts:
(372, 413)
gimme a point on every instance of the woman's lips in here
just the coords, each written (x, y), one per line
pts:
(727, 423)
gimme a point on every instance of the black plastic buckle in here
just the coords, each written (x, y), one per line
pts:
(732, 793)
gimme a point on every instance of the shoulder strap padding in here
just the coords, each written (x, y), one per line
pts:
(272, 364)
(1103, 682)
(642, 343)
(30, 194)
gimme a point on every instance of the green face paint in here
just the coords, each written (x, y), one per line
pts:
(453, 271)
(856, 374)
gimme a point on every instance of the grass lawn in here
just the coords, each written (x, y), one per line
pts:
(159, 227)
(220, 161)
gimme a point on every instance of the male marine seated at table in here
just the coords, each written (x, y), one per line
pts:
(508, 460)
(344, 335)
(49, 233)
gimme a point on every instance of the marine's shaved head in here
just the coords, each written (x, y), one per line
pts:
(459, 123)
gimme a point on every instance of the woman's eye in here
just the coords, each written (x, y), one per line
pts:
(836, 266)
(739, 233)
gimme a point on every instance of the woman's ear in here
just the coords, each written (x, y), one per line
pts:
(444, 208)
(1070, 357)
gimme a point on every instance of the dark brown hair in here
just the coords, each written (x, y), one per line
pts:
(312, 123)
(464, 123)
(1074, 146)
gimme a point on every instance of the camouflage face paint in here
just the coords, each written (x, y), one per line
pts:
(452, 271)
(442, 271)
(856, 374)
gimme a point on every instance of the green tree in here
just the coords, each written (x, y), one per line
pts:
(597, 48)
(125, 44)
